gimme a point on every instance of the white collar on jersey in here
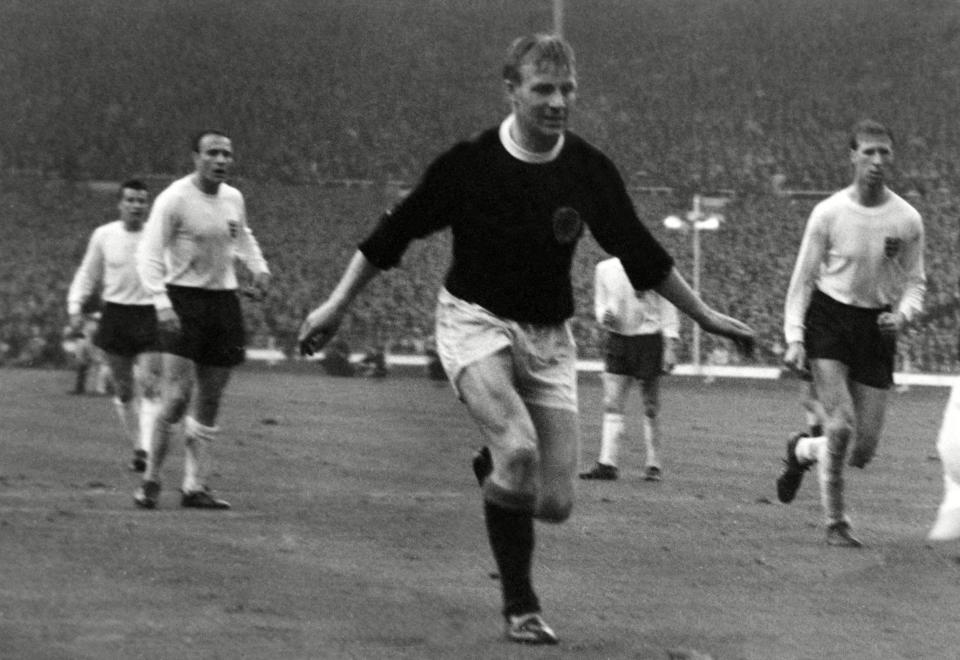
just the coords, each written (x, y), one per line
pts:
(519, 152)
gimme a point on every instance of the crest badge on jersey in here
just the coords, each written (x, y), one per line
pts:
(567, 224)
(234, 227)
(891, 246)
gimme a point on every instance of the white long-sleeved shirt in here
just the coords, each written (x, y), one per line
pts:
(192, 239)
(862, 256)
(110, 261)
(636, 312)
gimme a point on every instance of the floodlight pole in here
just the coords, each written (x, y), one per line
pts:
(558, 17)
(695, 222)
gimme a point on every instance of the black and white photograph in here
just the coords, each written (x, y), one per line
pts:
(448, 329)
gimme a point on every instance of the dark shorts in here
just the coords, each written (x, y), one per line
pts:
(211, 327)
(847, 334)
(127, 330)
(639, 356)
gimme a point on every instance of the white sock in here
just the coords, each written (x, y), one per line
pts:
(651, 434)
(149, 409)
(947, 525)
(127, 412)
(948, 439)
(810, 450)
(197, 459)
(613, 428)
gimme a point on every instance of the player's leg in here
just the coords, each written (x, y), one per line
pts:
(813, 409)
(177, 379)
(870, 406)
(111, 342)
(833, 389)
(487, 388)
(81, 365)
(545, 371)
(871, 377)
(616, 389)
(148, 377)
(558, 443)
(179, 375)
(650, 398)
(476, 349)
(103, 383)
(201, 431)
(221, 342)
(808, 448)
(124, 396)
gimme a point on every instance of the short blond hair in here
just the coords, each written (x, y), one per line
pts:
(537, 48)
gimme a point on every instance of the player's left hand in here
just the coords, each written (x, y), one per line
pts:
(257, 291)
(318, 328)
(669, 355)
(890, 323)
(610, 320)
(741, 334)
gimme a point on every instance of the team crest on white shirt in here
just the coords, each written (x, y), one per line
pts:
(234, 227)
(891, 246)
(567, 224)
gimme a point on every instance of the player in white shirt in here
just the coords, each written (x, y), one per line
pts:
(642, 331)
(859, 277)
(127, 331)
(195, 232)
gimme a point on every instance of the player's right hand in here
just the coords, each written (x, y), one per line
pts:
(795, 359)
(168, 321)
(318, 329)
(610, 320)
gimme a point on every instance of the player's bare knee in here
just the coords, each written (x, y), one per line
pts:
(149, 386)
(150, 389)
(555, 509)
(174, 407)
(522, 460)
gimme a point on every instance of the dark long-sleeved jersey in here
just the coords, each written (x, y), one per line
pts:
(516, 224)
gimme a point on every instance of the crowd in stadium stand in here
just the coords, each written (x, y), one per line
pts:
(676, 93)
(309, 232)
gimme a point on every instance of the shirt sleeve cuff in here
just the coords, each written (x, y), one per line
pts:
(161, 301)
(794, 335)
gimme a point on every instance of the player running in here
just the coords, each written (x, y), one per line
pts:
(859, 277)
(516, 198)
(127, 331)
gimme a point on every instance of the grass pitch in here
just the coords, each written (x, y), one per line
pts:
(357, 532)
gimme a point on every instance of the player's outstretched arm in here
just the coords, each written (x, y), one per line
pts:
(675, 289)
(321, 324)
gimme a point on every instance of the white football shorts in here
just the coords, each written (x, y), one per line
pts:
(544, 356)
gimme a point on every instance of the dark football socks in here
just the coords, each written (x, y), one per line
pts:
(511, 539)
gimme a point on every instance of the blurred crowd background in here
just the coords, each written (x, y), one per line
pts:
(335, 108)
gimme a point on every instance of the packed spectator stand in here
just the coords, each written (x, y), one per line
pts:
(331, 119)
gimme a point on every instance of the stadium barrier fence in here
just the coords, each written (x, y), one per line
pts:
(901, 379)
